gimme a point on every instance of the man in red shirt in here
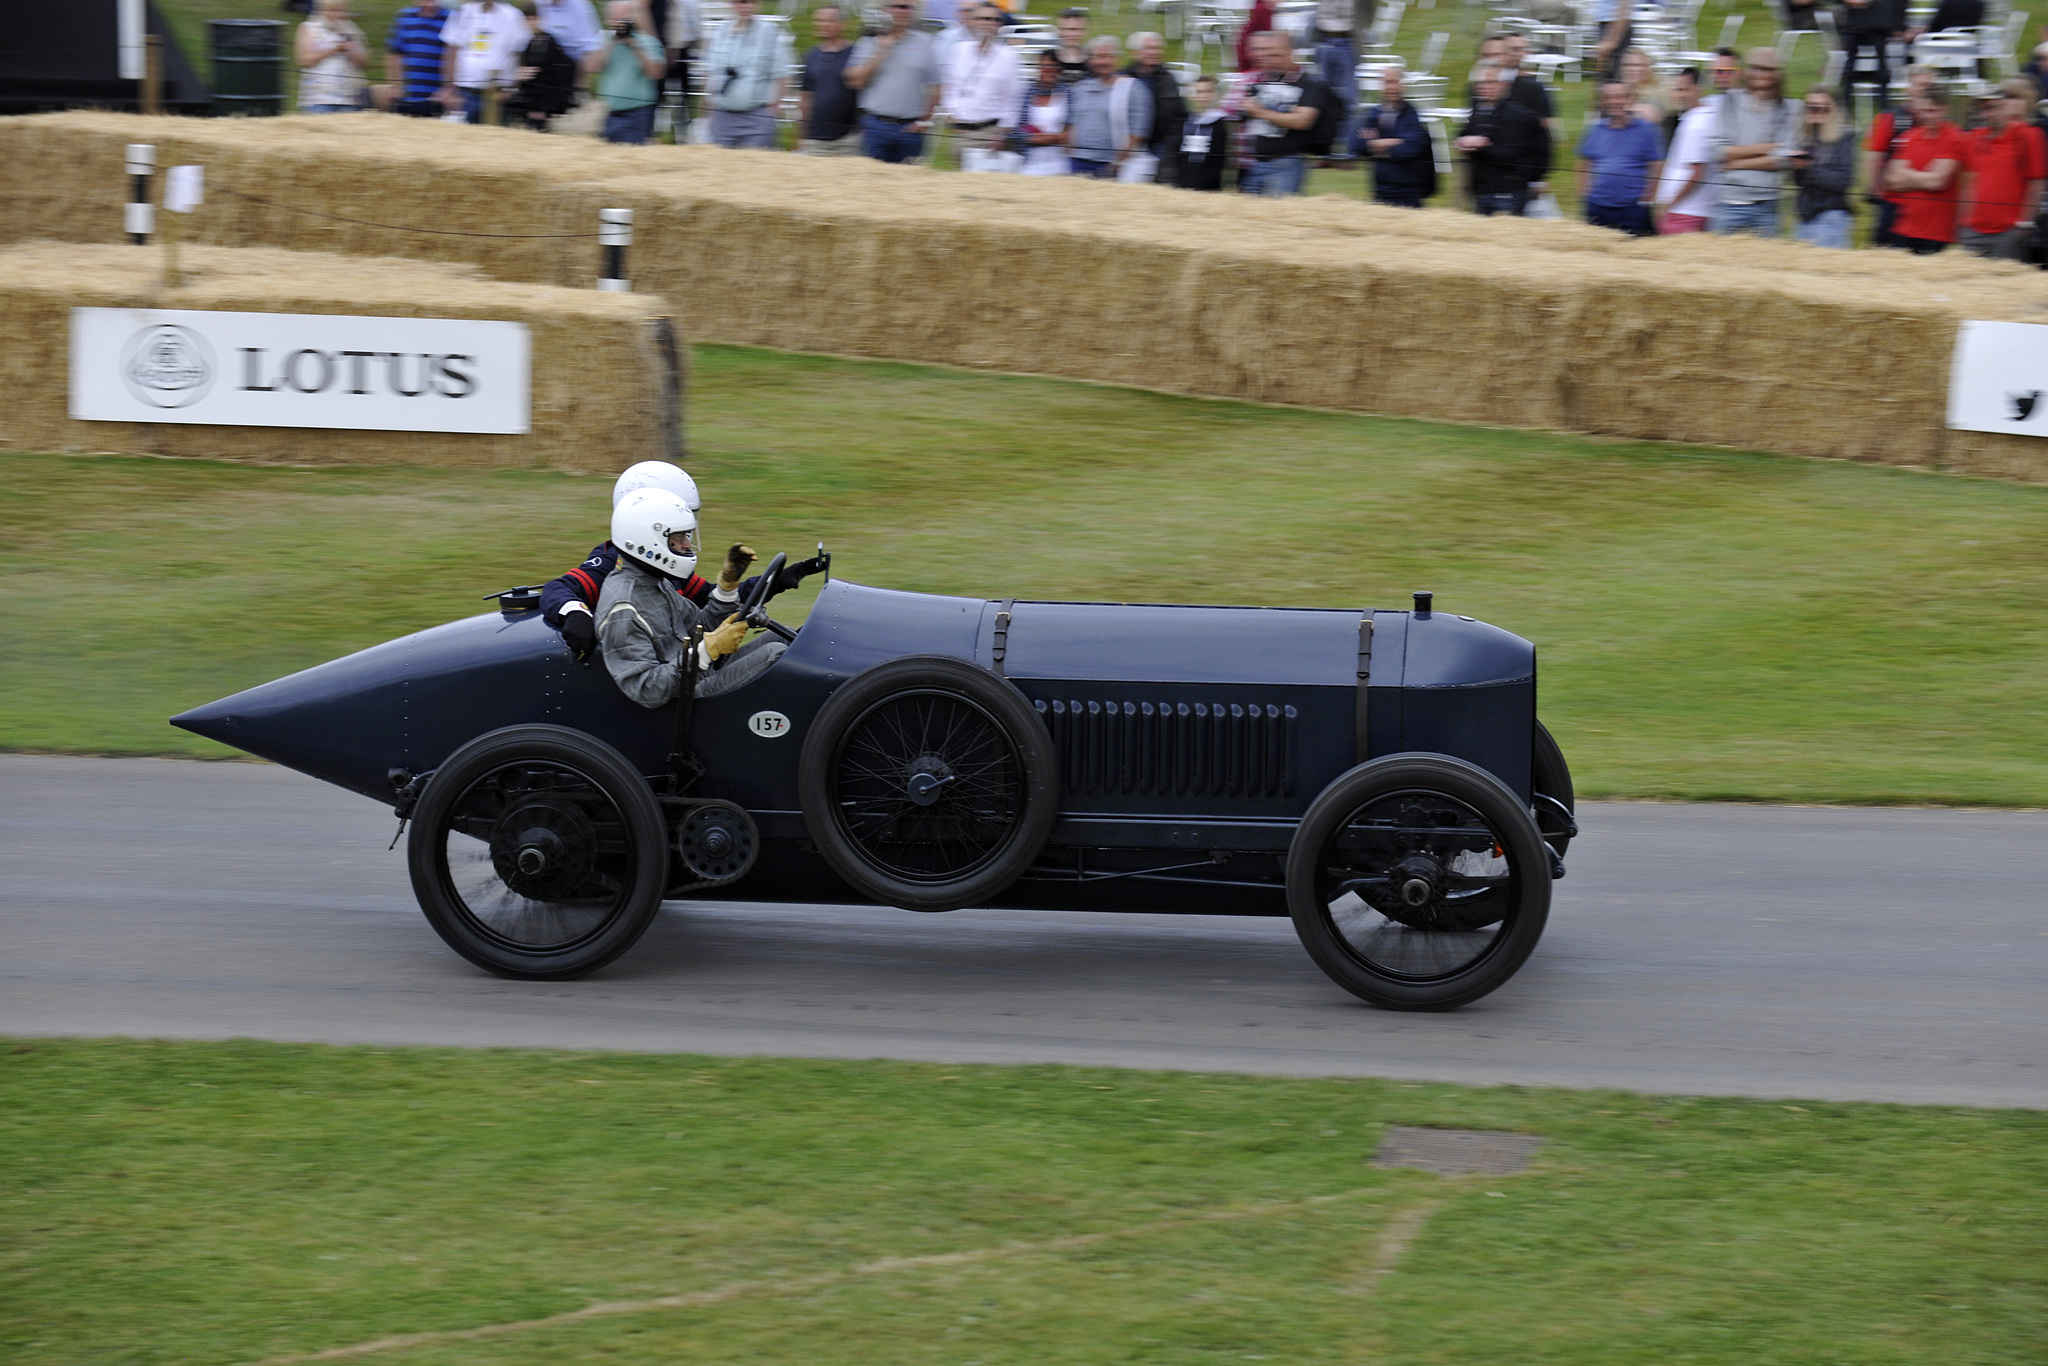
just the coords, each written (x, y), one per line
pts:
(1887, 131)
(2002, 174)
(1922, 177)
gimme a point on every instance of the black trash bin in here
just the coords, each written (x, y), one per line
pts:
(248, 65)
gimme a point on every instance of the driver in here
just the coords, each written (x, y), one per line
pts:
(566, 602)
(644, 616)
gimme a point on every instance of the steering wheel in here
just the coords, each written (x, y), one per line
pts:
(754, 605)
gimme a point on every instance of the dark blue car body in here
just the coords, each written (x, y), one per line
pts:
(1190, 740)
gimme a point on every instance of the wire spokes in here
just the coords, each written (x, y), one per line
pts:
(928, 784)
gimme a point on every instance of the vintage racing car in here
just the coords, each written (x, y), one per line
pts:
(1378, 775)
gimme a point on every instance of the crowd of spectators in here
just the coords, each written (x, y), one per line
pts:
(1746, 159)
(1718, 148)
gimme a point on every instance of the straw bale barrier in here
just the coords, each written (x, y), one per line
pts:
(605, 388)
(1324, 302)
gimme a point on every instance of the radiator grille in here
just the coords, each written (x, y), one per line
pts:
(1175, 749)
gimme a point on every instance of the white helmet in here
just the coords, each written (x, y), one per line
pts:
(657, 474)
(658, 529)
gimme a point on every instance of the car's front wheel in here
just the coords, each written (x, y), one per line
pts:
(538, 852)
(1418, 882)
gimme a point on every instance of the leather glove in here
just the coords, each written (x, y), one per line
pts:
(725, 639)
(579, 633)
(794, 574)
(736, 561)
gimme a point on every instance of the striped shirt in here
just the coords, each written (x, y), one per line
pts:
(416, 37)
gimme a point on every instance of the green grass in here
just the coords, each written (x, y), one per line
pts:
(225, 1202)
(1711, 623)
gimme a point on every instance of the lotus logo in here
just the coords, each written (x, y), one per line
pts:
(167, 366)
(2023, 404)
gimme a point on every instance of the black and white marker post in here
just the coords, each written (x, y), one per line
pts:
(615, 234)
(139, 215)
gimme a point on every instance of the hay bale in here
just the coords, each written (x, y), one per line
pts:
(1324, 301)
(604, 390)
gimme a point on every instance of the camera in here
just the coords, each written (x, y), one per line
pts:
(625, 28)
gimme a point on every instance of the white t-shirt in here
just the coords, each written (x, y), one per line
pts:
(487, 45)
(1690, 145)
(1278, 96)
(1046, 118)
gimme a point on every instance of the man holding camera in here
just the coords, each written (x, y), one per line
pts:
(628, 68)
(744, 64)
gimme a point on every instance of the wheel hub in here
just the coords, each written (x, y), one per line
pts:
(542, 848)
(929, 775)
(717, 842)
(1415, 880)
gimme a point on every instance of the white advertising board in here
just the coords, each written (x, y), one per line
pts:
(1998, 380)
(300, 370)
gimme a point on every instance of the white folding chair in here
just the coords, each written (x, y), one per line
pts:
(1952, 53)
(2000, 43)
(1440, 138)
(1425, 92)
(1432, 53)
(1385, 24)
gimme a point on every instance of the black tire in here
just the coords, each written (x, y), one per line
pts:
(1550, 777)
(538, 852)
(928, 783)
(1418, 882)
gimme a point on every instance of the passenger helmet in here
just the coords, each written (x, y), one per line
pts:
(658, 529)
(657, 474)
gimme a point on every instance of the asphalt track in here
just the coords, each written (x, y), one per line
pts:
(1848, 954)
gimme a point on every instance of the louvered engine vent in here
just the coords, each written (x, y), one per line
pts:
(1178, 749)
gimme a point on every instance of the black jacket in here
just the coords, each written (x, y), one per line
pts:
(552, 90)
(1873, 20)
(1405, 171)
(1203, 172)
(1957, 14)
(1519, 150)
(1169, 110)
(1531, 94)
(1824, 182)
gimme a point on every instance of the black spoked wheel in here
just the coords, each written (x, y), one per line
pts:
(1418, 882)
(928, 783)
(537, 852)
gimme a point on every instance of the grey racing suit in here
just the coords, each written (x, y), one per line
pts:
(643, 629)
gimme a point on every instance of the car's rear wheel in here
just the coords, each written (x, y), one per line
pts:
(929, 783)
(538, 852)
(1418, 882)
